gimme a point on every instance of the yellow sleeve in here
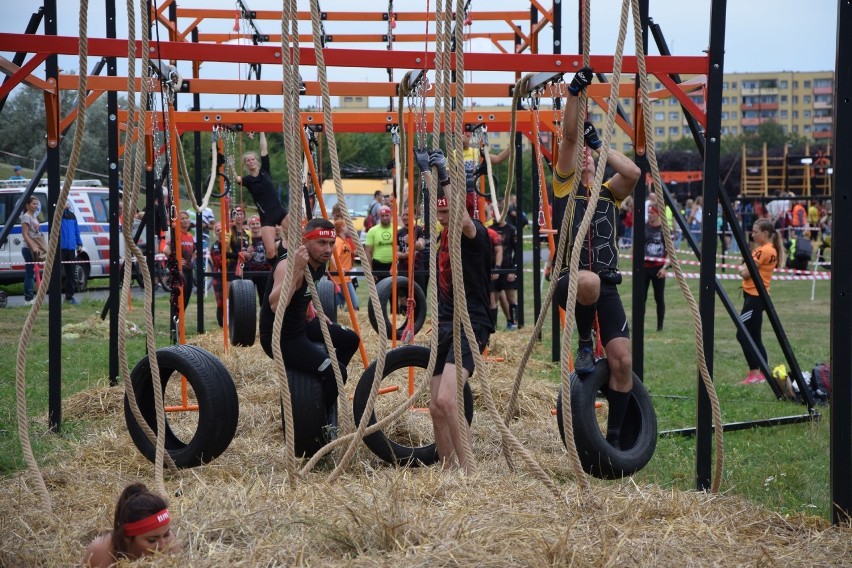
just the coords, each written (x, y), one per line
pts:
(562, 182)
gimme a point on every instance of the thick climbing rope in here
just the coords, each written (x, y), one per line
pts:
(672, 254)
(290, 121)
(53, 243)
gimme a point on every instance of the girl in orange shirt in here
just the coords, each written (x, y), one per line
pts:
(768, 255)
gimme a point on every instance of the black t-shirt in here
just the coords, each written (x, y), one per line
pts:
(476, 260)
(508, 237)
(655, 247)
(262, 189)
(295, 315)
(402, 246)
(600, 249)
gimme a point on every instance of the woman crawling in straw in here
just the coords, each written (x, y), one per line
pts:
(141, 527)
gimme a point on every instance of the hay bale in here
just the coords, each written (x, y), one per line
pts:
(240, 510)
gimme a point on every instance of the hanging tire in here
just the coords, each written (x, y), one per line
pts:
(638, 432)
(214, 393)
(404, 446)
(315, 420)
(384, 289)
(242, 313)
(325, 289)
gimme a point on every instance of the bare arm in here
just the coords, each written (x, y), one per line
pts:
(570, 140)
(264, 149)
(501, 157)
(300, 260)
(626, 174)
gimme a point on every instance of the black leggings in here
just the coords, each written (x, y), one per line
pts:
(659, 285)
(303, 353)
(752, 319)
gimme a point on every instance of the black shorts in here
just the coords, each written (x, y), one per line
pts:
(273, 217)
(610, 311)
(445, 346)
(503, 283)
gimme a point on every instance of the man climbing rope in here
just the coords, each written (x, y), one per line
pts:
(598, 275)
(298, 332)
(476, 265)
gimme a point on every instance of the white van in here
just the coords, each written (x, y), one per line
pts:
(90, 202)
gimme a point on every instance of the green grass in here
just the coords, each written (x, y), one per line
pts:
(785, 468)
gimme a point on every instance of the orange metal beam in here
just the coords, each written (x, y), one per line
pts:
(228, 14)
(338, 88)
(349, 38)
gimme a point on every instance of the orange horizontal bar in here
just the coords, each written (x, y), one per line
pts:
(346, 16)
(352, 38)
(188, 407)
(337, 88)
(390, 389)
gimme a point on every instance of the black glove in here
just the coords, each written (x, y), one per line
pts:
(421, 158)
(590, 135)
(438, 161)
(581, 80)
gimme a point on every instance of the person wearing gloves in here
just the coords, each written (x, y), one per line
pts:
(476, 261)
(598, 275)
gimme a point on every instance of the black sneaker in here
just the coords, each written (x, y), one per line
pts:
(584, 362)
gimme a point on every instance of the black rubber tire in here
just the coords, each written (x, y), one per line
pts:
(325, 289)
(638, 432)
(384, 288)
(215, 392)
(81, 276)
(216, 193)
(311, 415)
(242, 313)
(385, 448)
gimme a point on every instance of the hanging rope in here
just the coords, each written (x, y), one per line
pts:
(701, 361)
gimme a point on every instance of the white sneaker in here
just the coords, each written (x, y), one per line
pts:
(29, 302)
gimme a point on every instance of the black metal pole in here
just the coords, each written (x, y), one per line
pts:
(18, 58)
(519, 228)
(114, 235)
(54, 337)
(707, 303)
(841, 276)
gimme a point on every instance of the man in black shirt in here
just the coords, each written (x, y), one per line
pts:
(299, 334)
(506, 285)
(598, 274)
(476, 262)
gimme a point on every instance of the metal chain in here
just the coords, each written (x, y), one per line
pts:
(534, 100)
(558, 109)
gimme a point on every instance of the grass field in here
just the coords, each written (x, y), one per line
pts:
(785, 468)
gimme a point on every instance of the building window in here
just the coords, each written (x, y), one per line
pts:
(734, 130)
(795, 114)
(657, 86)
(795, 84)
(783, 98)
(724, 85)
(724, 101)
(626, 147)
(724, 130)
(795, 99)
(807, 84)
(674, 115)
(733, 84)
(724, 115)
(626, 102)
(783, 84)
(783, 114)
(673, 102)
(795, 129)
(822, 82)
(659, 116)
(659, 131)
(674, 130)
(807, 99)
(807, 114)
(347, 99)
(733, 115)
(806, 128)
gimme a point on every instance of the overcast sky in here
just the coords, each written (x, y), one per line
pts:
(761, 35)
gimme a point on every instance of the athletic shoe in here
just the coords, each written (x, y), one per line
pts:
(73, 301)
(753, 379)
(584, 362)
(511, 327)
(29, 302)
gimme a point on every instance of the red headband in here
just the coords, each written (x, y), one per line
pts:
(147, 524)
(319, 234)
(443, 202)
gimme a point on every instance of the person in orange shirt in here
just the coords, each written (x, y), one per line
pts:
(768, 255)
(345, 249)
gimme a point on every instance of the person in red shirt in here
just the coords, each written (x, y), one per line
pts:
(768, 255)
